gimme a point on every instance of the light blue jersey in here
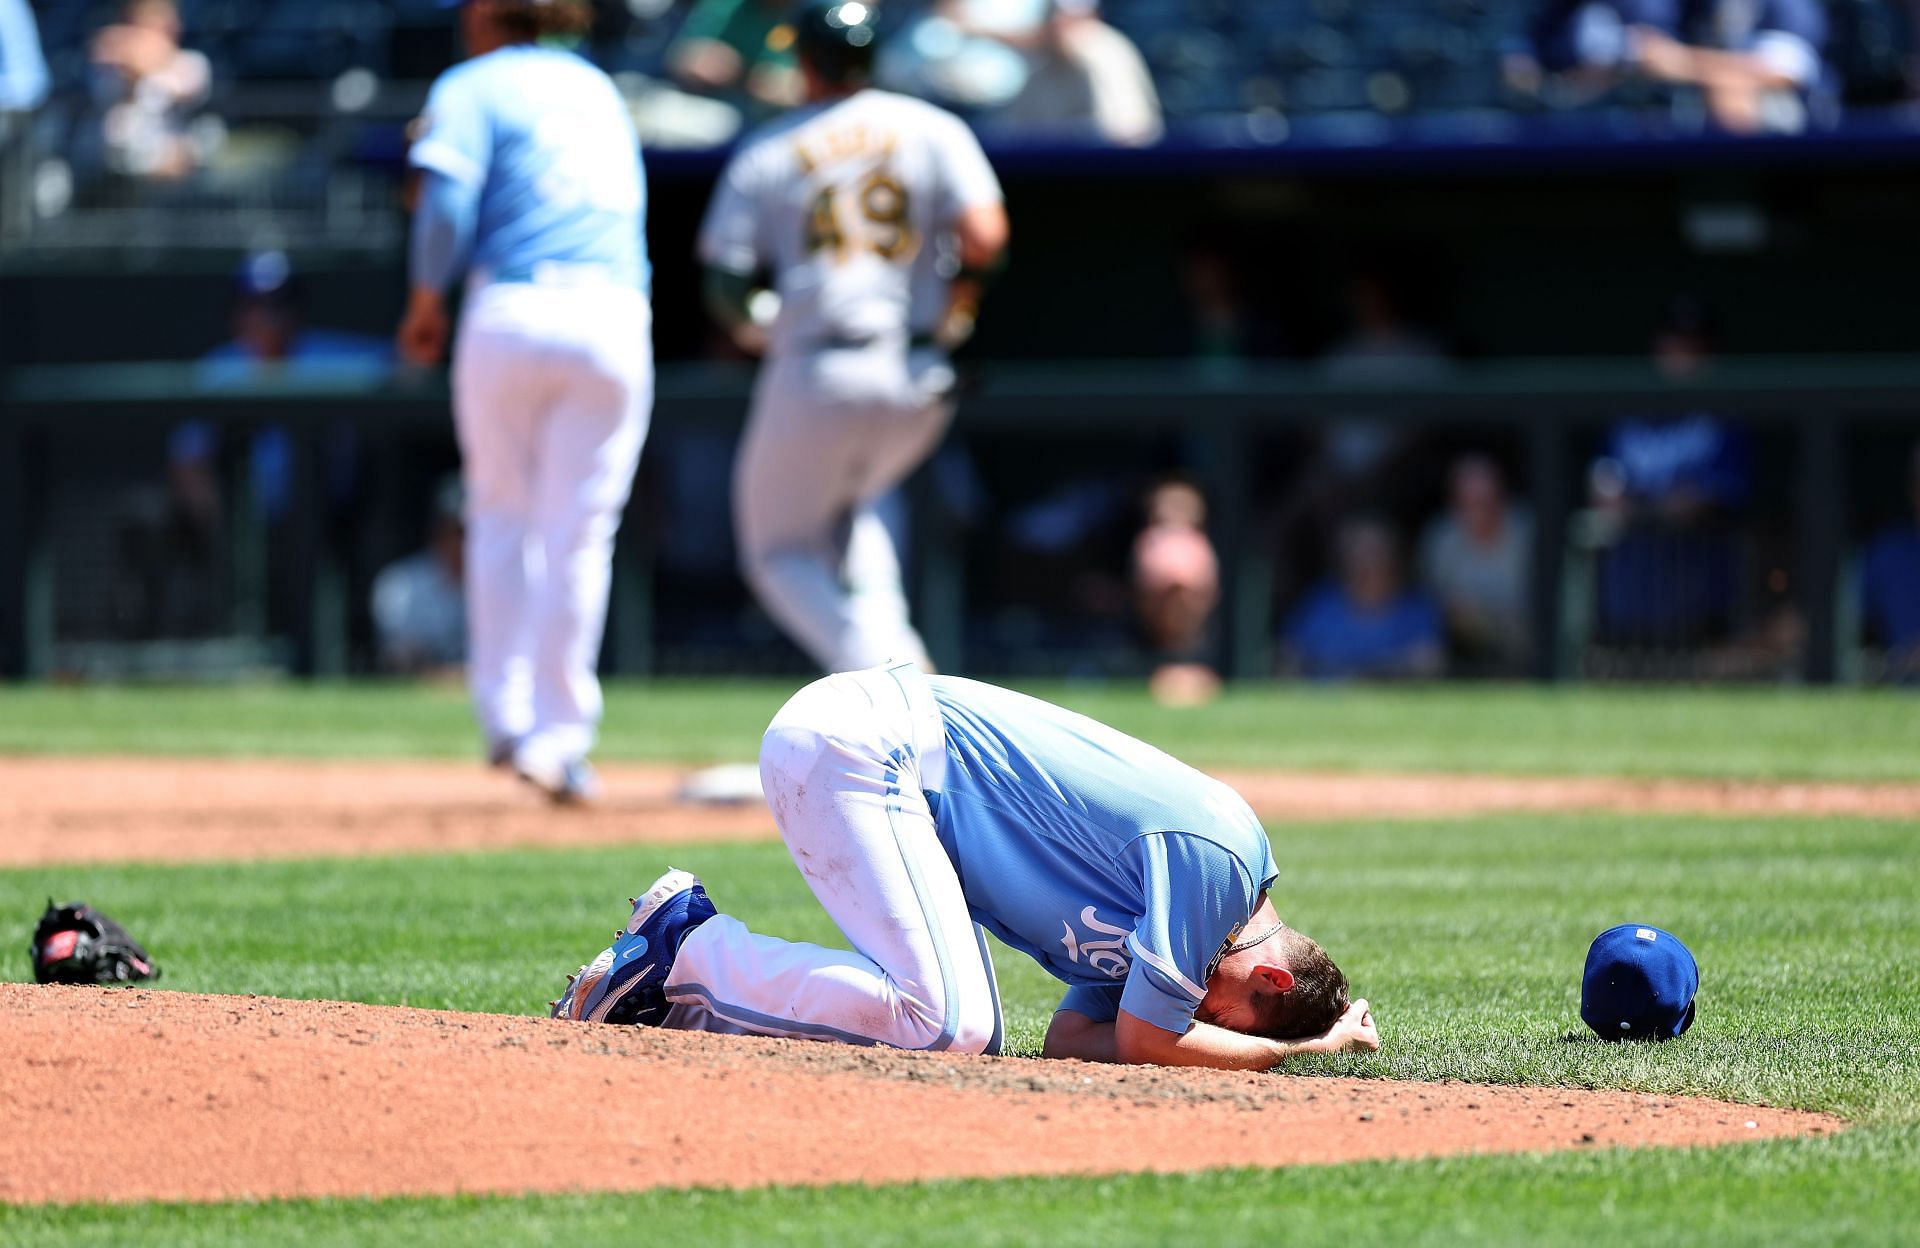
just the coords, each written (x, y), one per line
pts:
(1120, 869)
(23, 69)
(546, 142)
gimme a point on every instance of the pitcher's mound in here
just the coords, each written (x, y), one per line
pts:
(208, 1098)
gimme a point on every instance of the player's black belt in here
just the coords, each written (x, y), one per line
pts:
(840, 343)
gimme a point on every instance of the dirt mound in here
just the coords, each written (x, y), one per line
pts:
(62, 810)
(1320, 796)
(229, 1097)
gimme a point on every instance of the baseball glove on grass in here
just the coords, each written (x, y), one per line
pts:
(76, 944)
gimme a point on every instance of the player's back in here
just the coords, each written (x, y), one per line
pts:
(854, 201)
(1063, 776)
(1068, 835)
(547, 138)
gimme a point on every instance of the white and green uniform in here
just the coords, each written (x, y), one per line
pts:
(849, 206)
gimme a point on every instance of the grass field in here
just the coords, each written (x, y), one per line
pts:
(1731, 733)
(1467, 935)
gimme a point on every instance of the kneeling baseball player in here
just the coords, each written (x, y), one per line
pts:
(925, 811)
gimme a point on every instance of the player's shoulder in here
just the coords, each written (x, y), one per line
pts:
(504, 68)
(769, 138)
(461, 78)
(917, 115)
(1220, 830)
(907, 105)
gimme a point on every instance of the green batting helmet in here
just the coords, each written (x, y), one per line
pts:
(837, 38)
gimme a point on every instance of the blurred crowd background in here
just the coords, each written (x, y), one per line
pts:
(202, 210)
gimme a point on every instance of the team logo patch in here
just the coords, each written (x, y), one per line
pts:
(1105, 953)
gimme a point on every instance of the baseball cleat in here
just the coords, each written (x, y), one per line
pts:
(500, 752)
(571, 783)
(627, 982)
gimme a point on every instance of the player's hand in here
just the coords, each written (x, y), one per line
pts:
(1354, 1030)
(422, 339)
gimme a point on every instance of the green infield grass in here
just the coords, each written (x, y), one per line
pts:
(1737, 733)
(1467, 934)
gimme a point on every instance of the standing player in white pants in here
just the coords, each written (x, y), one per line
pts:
(924, 810)
(878, 218)
(531, 180)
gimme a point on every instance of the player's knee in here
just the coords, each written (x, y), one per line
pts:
(797, 738)
(963, 1016)
(977, 1027)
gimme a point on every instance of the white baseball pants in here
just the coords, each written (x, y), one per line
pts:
(847, 764)
(552, 392)
(829, 434)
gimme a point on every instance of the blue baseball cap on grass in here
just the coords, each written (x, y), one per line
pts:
(1639, 984)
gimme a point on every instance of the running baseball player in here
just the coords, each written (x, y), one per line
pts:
(926, 810)
(877, 218)
(531, 182)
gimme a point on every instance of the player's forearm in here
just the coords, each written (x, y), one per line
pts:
(1140, 1043)
(1200, 1045)
(1074, 1035)
(1715, 69)
(443, 231)
(982, 232)
(1670, 60)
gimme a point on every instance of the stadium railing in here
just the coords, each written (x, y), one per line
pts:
(1547, 405)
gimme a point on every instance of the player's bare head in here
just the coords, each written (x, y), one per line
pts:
(1279, 983)
(496, 22)
(835, 42)
(1316, 1000)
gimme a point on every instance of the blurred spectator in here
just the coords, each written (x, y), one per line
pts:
(1752, 64)
(1678, 468)
(272, 340)
(1360, 456)
(1212, 285)
(171, 546)
(1228, 324)
(1890, 587)
(1382, 345)
(741, 49)
(1176, 585)
(1476, 559)
(1755, 62)
(1666, 489)
(147, 87)
(1085, 79)
(1367, 624)
(1584, 44)
(963, 53)
(419, 603)
(23, 69)
(172, 539)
